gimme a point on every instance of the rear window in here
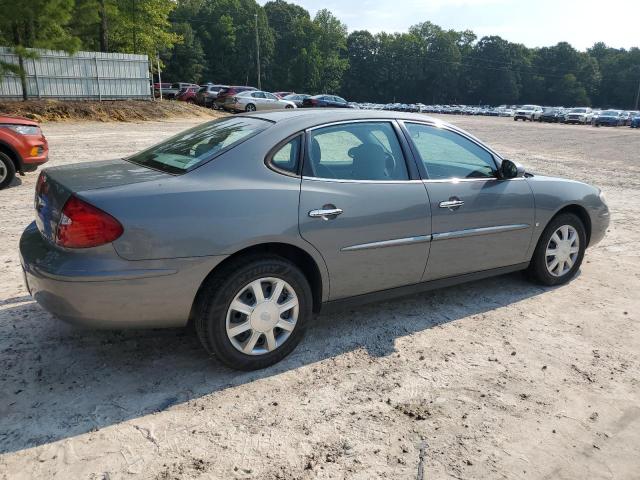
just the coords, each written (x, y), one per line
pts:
(196, 146)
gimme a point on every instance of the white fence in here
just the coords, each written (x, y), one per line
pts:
(82, 76)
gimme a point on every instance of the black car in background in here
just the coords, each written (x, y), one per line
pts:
(331, 101)
(208, 94)
(552, 115)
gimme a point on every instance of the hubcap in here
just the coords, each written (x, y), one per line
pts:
(562, 250)
(262, 316)
(3, 171)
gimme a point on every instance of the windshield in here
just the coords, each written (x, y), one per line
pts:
(528, 107)
(198, 145)
(578, 110)
(611, 112)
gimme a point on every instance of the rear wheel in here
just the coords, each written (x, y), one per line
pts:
(254, 313)
(560, 251)
(7, 170)
(289, 106)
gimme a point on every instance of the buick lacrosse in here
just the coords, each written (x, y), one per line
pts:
(248, 225)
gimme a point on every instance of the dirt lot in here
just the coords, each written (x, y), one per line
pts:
(495, 379)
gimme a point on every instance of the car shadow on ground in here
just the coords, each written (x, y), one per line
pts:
(60, 381)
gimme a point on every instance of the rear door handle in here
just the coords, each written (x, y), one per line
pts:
(325, 213)
(453, 203)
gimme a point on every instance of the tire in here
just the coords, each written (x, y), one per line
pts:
(250, 108)
(7, 170)
(213, 311)
(515, 119)
(538, 270)
(288, 106)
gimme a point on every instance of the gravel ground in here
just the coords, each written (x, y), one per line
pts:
(494, 379)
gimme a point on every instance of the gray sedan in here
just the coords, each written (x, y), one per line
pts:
(248, 225)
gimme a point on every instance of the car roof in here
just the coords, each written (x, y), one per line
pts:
(312, 116)
(294, 120)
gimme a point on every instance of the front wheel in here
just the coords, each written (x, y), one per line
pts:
(7, 171)
(560, 251)
(253, 313)
(250, 108)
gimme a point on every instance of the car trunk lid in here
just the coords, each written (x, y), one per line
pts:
(56, 185)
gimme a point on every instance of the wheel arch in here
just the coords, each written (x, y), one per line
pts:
(12, 154)
(580, 212)
(313, 269)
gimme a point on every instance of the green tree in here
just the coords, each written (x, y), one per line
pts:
(34, 24)
(185, 61)
(293, 36)
(330, 51)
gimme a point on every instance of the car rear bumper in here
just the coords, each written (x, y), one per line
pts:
(96, 288)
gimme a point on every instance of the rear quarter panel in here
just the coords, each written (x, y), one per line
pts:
(226, 205)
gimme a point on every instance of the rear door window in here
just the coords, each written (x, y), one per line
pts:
(356, 151)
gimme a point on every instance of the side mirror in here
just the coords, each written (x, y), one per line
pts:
(511, 169)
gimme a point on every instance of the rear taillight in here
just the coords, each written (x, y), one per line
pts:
(82, 225)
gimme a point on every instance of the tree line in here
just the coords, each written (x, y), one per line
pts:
(215, 40)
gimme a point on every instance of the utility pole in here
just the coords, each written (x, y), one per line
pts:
(258, 52)
(159, 78)
(135, 26)
(638, 96)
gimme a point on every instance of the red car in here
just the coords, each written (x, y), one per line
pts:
(188, 94)
(23, 148)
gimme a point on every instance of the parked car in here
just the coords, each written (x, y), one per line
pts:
(173, 90)
(225, 92)
(635, 121)
(255, 100)
(528, 112)
(23, 148)
(579, 115)
(282, 94)
(609, 118)
(157, 87)
(237, 226)
(188, 94)
(207, 95)
(330, 101)
(552, 115)
(627, 116)
(297, 98)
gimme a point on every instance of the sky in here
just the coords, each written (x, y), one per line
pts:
(536, 23)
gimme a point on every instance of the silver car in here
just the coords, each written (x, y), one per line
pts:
(257, 100)
(248, 225)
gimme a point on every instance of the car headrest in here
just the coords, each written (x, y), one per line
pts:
(369, 162)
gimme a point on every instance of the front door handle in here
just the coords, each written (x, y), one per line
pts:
(327, 212)
(453, 203)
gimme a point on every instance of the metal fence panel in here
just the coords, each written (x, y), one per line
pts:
(82, 76)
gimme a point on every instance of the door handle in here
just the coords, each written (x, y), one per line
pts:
(452, 204)
(325, 213)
